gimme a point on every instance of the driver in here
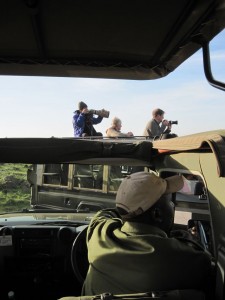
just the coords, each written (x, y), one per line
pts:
(130, 249)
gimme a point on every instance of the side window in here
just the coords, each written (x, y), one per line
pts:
(56, 174)
(88, 176)
(192, 208)
(193, 189)
(103, 178)
(115, 177)
(192, 200)
(117, 173)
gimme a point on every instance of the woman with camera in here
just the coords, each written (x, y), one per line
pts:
(115, 129)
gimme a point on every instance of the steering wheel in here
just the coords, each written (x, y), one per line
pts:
(79, 257)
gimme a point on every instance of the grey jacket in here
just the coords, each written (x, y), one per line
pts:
(153, 129)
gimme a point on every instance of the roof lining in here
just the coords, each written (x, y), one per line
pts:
(40, 37)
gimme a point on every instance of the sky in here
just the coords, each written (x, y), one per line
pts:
(44, 106)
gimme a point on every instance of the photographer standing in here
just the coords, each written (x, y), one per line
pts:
(153, 128)
(83, 121)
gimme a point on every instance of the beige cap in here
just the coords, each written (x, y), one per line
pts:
(139, 191)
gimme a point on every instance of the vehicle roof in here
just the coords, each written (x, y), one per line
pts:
(133, 151)
(131, 39)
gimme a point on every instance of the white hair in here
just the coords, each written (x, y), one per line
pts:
(116, 121)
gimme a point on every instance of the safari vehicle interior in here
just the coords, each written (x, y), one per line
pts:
(43, 251)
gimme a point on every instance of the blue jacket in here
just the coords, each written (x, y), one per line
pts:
(79, 121)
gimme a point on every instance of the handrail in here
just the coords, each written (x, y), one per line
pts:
(207, 68)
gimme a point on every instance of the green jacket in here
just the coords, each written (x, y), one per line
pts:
(132, 257)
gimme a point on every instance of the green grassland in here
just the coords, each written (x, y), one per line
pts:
(15, 190)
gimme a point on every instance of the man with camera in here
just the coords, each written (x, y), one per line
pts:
(153, 128)
(84, 119)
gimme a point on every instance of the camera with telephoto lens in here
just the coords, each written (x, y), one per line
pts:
(102, 112)
(173, 122)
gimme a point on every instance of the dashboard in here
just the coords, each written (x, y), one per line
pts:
(35, 261)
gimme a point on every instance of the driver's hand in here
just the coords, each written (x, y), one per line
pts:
(193, 231)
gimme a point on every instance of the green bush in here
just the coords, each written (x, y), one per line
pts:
(15, 190)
